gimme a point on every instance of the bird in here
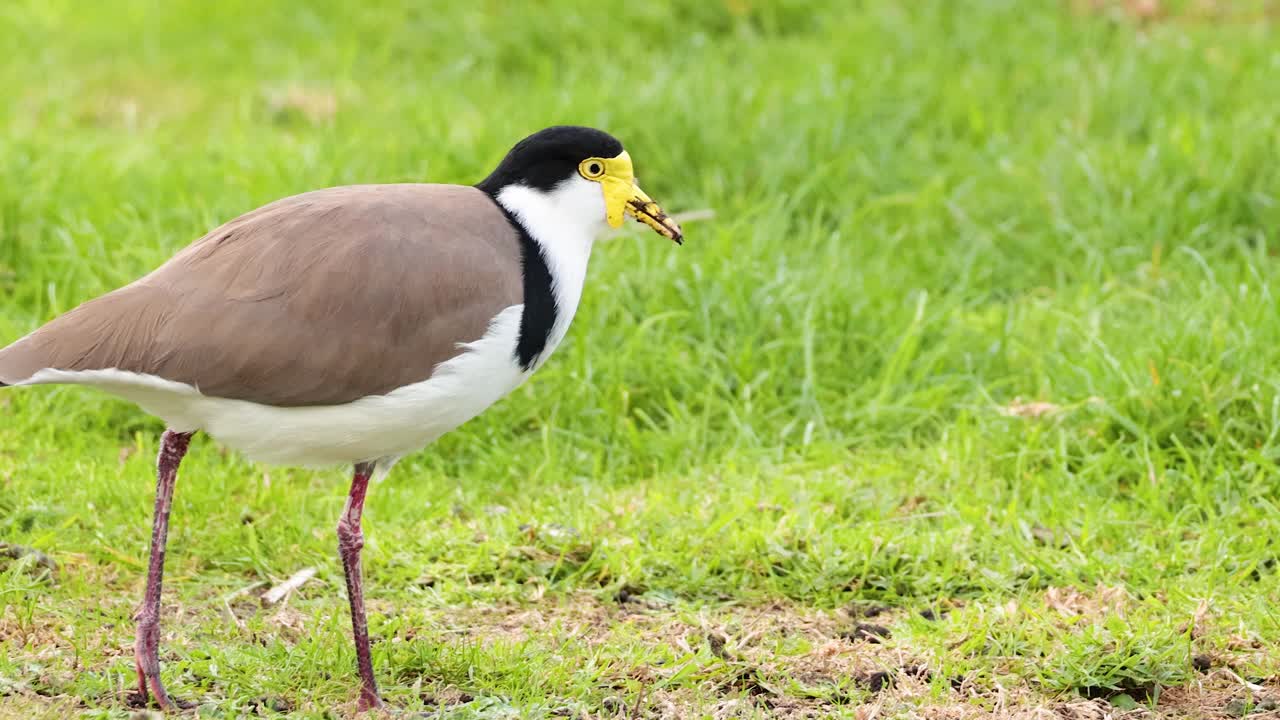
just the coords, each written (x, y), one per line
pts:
(346, 326)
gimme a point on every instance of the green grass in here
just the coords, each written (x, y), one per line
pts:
(925, 211)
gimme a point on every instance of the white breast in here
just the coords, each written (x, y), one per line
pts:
(565, 223)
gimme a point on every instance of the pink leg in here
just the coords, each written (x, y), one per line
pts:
(173, 446)
(350, 541)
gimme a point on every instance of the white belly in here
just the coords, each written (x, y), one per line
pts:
(373, 427)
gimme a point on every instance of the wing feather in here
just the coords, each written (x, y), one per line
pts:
(317, 299)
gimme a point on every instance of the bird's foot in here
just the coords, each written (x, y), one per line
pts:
(141, 700)
(146, 661)
(151, 688)
(369, 700)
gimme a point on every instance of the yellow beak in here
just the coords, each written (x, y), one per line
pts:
(622, 196)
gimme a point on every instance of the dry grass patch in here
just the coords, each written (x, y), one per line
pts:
(664, 659)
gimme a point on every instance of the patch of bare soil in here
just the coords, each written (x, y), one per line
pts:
(774, 660)
(782, 660)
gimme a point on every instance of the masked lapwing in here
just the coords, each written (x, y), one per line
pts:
(350, 325)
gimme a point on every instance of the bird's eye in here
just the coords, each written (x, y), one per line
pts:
(592, 169)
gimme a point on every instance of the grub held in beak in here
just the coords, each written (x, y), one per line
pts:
(643, 208)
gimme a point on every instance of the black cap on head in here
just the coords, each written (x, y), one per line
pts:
(548, 157)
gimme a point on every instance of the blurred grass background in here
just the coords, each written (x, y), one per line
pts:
(985, 311)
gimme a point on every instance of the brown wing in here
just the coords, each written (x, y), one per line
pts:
(316, 299)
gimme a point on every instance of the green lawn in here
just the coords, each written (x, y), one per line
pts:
(814, 423)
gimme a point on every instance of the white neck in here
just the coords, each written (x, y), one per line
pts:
(564, 223)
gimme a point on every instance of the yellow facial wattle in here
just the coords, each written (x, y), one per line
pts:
(622, 196)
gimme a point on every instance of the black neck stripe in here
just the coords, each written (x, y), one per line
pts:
(539, 301)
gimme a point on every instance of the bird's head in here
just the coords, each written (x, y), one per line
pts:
(583, 172)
